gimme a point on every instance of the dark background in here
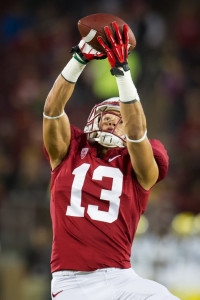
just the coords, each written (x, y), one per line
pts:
(36, 37)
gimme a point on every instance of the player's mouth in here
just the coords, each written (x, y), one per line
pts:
(109, 129)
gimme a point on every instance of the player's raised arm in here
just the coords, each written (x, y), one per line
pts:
(139, 148)
(56, 126)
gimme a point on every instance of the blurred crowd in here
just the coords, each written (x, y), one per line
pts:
(36, 37)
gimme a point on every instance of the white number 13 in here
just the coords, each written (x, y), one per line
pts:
(76, 210)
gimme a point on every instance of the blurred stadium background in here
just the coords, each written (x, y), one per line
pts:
(36, 37)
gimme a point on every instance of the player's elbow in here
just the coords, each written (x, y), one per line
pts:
(148, 178)
(135, 129)
(135, 133)
(47, 108)
(50, 107)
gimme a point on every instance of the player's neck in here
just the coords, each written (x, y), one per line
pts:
(101, 150)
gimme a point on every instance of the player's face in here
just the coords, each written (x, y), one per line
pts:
(110, 120)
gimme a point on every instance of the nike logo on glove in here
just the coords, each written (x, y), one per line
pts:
(54, 295)
(110, 159)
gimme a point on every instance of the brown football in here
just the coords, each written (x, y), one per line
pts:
(92, 26)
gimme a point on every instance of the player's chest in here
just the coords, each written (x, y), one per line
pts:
(94, 176)
(95, 188)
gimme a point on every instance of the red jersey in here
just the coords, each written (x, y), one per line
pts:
(96, 206)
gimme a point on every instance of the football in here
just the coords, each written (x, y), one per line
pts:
(92, 26)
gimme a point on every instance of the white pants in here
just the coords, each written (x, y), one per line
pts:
(106, 284)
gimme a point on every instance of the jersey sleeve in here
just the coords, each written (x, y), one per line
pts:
(77, 139)
(161, 157)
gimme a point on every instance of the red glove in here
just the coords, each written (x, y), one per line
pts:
(83, 52)
(117, 52)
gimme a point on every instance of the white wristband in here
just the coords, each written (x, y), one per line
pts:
(137, 141)
(127, 90)
(73, 70)
(53, 118)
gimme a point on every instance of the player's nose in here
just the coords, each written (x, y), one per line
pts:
(112, 121)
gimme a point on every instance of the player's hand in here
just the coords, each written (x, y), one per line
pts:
(117, 51)
(85, 53)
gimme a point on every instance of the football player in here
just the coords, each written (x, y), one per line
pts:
(100, 183)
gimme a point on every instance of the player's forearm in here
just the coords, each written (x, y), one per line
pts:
(58, 97)
(63, 88)
(134, 120)
(131, 108)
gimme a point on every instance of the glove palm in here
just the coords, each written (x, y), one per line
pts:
(117, 51)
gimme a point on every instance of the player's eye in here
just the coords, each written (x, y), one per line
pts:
(106, 119)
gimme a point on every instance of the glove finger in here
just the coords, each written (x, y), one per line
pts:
(126, 39)
(103, 44)
(110, 37)
(118, 33)
(126, 35)
(110, 55)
